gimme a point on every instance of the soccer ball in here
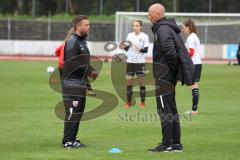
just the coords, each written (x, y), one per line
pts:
(50, 69)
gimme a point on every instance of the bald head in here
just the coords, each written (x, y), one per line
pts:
(156, 12)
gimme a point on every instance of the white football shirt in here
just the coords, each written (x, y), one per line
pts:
(194, 42)
(140, 41)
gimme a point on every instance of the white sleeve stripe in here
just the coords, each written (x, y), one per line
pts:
(161, 99)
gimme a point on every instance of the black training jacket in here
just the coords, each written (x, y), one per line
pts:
(76, 58)
(169, 50)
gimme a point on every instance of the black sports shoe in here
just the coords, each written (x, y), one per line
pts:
(161, 148)
(177, 147)
(74, 145)
(68, 145)
(78, 144)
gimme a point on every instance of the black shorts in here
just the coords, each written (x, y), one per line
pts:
(197, 72)
(135, 68)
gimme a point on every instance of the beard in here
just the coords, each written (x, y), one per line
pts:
(84, 34)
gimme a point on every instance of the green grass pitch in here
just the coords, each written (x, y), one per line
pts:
(30, 130)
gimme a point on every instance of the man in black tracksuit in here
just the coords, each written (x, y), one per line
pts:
(76, 69)
(166, 49)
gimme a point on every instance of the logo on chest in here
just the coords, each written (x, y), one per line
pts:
(82, 47)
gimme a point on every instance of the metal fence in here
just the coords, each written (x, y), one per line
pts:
(50, 30)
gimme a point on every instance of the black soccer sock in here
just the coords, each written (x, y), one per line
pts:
(129, 93)
(142, 93)
(195, 98)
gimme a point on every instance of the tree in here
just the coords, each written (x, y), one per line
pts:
(92, 7)
(8, 6)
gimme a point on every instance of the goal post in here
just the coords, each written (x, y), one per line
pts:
(216, 29)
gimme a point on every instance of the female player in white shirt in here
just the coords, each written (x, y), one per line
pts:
(136, 52)
(193, 46)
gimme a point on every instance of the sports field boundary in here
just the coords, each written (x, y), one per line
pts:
(53, 58)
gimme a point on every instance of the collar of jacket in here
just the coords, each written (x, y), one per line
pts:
(157, 24)
(79, 37)
(164, 21)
